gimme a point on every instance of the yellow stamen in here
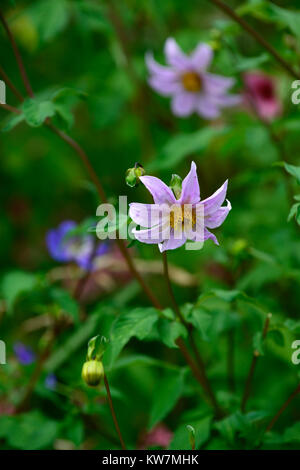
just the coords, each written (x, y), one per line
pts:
(191, 81)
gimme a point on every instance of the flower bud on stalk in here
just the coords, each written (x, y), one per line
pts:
(133, 175)
(92, 373)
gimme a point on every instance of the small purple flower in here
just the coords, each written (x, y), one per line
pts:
(65, 247)
(51, 381)
(261, 94)
(24, 354)
(171, 222)
(187, 81)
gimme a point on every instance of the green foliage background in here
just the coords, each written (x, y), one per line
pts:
(85, 60)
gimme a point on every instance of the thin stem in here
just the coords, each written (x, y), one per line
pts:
(257, 36)
(201, 373)
(17, 56)
(250, 376)
(283, 408)
(10, 84)
(24, 403)
(114, 417)
(9, 108)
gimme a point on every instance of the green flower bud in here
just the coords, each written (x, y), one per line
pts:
(92, 373)
(133, 175)
(176, 185)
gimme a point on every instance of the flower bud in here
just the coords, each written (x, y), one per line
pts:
(133, 175)
(176, 185)
(92, 373)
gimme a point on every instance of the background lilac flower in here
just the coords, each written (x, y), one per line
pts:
(261, 94)
(24, 354)
(79, 248)
(187, 81)
(170, 231)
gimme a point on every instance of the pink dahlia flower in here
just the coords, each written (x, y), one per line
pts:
(170, 222)
(187, 81)
(261, 94)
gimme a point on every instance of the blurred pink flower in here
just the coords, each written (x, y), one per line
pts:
(261, 95)
(187, 81)
(159, 436)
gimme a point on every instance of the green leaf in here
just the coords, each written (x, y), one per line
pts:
(183, 145)
(14, 284)
(166, 395)
(66, 302)
(35, 112)
(201, 321)
(181, 439)
(293, 170)
(295, 212)
(50, 17)
(30, 431)
(169, 331)
(12, 122)
(138, 322)
(289, 18)
(276, 336)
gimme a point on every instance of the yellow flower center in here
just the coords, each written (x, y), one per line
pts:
(182, 217)
(191, 81)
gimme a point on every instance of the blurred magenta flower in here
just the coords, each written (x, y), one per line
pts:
(261, 94)
(65, 247)
(24, 354)
(159, 436)
(171, 222)
(187, 81)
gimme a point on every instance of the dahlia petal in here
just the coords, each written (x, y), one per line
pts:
(161, 71)
(217, 84)
(164, 87)
(174, 55)
(209, 235)
(202, 56)
(217, 218)
(184, 103)
(214, 202)
(171, 244)
(153, 235)
(161, 193)
(207, 108)
(226, 101)
(190, 193)
(146, 215)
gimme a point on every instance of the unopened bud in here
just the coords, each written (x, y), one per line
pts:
(92, 373)
(176, 185)
(133, 175)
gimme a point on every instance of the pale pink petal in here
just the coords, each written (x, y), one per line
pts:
(153, 235)
(214, 202)
(175, 56)
(164, 87)
(162, 71)
(217, 218)
(190, 193)
(184, 103)
(146, 215)
(171, 244)
(208, 234)
(202, 56)
(217, 84)
(161, 193)
(226, 101)
(206, 107)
